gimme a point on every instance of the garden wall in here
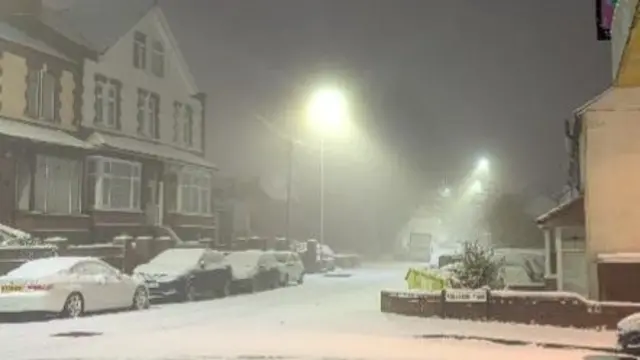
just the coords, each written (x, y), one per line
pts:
(544, 308)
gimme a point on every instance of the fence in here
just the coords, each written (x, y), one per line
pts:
(543, 308)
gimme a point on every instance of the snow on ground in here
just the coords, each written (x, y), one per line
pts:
(325, 317)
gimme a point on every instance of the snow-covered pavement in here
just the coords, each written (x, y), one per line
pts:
(326, 317)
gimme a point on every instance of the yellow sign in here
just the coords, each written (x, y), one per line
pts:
(419, 279)
(11, 288)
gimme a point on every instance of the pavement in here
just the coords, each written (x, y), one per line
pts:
(326, 317)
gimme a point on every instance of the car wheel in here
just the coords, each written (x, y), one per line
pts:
(301, 279)
(140, 299)
(254, 284)
(190, 292)
(285, 282)
(73, 306)
(225, 290)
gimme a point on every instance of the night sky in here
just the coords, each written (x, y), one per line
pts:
(440, 82)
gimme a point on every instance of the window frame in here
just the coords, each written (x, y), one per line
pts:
(188, 125)
(100, 174)
(37, 109)
(106, 94)
(140, 50)
(31, 188)
(148, 114)
(202, 191)
(158, 59)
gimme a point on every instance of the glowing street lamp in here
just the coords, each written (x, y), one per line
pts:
(483, 165)
(327, 112)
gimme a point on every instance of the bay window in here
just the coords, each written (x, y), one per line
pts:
(52, 186)
(194, 192)
(115, 183)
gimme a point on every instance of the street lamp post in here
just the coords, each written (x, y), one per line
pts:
(289, 191)
(327, 111)
(322, 189)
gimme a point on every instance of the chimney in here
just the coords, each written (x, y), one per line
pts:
(20, 8)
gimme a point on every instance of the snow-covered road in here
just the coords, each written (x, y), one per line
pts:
(325, 317)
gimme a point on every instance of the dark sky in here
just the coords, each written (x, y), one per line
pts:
(440, 81)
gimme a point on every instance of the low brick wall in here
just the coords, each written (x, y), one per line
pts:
(544, 308)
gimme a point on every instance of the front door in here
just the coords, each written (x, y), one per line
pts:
(7, 193)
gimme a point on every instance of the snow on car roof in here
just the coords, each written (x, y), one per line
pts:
(179, 255)
(47, 266)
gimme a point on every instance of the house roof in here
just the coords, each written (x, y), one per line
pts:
(97, 24)
(12, 34)
(570, 213)
(152, 150)
(584, 107)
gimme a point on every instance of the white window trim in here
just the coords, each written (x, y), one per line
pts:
(99, 176)
(199, 173)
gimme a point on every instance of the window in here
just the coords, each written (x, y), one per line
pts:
(148, 108)
(177, 115)
(139, 50)
(107, 102)
(194, 192)
(53, 187)
(115, 184)
(188, 125)
(157, 59)
(183, 123)
(41, 93)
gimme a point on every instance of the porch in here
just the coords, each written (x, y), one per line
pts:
(565, 247)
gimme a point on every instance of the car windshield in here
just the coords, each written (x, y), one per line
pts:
(42, 267)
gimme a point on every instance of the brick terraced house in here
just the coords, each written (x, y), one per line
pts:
(127, 105)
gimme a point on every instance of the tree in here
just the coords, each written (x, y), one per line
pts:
(478, 268)
(506, 219)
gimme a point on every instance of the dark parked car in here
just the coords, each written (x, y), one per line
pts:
(254, 270)
(186, 274)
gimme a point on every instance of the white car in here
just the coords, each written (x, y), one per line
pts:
(291, 267)
(70, 286)
(253, 270)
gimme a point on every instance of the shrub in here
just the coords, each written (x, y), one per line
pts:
(478, 268)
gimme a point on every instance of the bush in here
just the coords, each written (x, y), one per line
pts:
(478, 268)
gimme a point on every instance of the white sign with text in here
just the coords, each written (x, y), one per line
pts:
(459, 295)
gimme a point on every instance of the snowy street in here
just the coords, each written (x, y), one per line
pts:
(325, 317)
